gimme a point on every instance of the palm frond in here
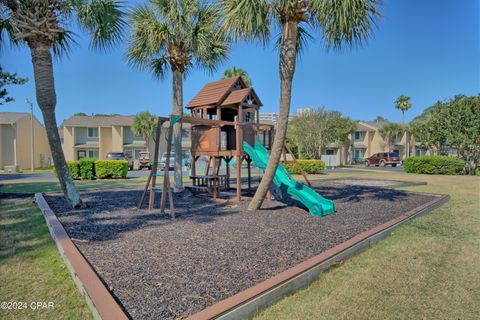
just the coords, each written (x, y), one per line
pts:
(345, 22)
(210, 44)
(159, 67)
(247, 19)
(63, 43)
(103, 19)
(7, 31)
(149, 37)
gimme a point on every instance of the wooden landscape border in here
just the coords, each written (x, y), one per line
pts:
(98, 298)
(243, 304)
(246, 303)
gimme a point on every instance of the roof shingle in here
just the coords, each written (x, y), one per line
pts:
(213, 93)
(93, 121)
(12, 117)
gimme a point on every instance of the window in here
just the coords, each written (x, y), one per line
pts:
(357, 154)
(92, 154)
(247, 117)
(81, 154)
(329, 152)
(92, 133)
(358, 135)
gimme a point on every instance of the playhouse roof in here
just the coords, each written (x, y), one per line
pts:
(214, 93)
(238, 96)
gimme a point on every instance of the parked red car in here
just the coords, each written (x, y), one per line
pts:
(383, 158)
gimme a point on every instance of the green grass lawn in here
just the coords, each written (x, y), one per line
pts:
(428, 269)
(53, 186)
(27, 171)
(31, 268)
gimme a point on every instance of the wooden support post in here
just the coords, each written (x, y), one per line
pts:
(152, 177)
(249, 162)
(227, 168)
(166, 175)
(219, 165)
(298, 165)
(194, 166)
(207, 169)
(215, 187)
(238, 157)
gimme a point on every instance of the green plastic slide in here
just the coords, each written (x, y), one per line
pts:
(316, 204)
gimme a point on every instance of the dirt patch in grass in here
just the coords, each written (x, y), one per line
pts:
(159, 268)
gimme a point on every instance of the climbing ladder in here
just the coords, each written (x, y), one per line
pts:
(151, 184)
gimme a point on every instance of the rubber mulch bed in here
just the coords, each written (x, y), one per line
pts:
(163, 269)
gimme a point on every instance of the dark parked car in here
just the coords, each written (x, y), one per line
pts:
(120, 156)
(383, 158)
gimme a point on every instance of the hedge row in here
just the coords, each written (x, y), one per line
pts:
(434, 165)
(89, 169)
(111, 169)
(308, 166)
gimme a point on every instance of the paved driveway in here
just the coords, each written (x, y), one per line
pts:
(388, 168)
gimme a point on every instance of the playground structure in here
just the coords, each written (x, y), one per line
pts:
(225, 125)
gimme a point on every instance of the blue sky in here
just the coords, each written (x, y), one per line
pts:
(429, 50)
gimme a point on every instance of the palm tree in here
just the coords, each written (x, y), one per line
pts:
(340, 22)
(390, 132)
(235, 72)
(144, 124)
(403, 104)
(176, 35)
(41, 25)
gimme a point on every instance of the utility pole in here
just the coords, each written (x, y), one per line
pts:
(32, 147)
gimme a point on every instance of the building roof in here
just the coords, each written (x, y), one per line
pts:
(214, 93)
(100, 121)
(362, 127)
(376, 124)
(238, 96)
(12, 117)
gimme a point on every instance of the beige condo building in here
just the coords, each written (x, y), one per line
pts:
(16, 131)
(95, 136)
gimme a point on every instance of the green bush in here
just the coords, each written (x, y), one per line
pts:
(111, 169)
(308, 166)
(477, 171)
(434, 165)
(87, 168)
(72, 167)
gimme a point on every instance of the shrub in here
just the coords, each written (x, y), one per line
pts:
(434, 165)
(87, 168)
(477, 171)
(111, 169)
(73, 168)
(309, 166)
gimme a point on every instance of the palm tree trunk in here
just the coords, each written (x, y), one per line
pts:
(177, 109)
(288, 55)
(46, 99)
